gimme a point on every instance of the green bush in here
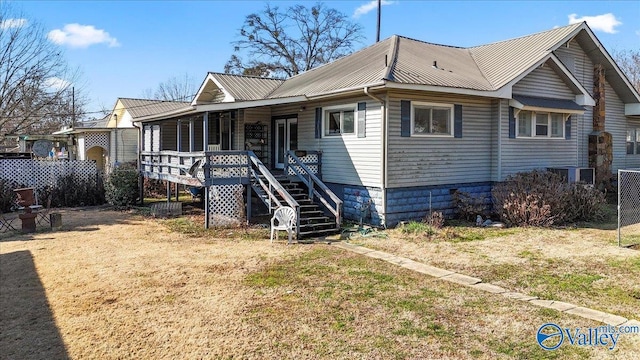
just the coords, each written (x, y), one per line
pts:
(121, 187)
(541, 198)
(71, 191)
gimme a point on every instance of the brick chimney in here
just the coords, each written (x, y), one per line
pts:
(600, 141)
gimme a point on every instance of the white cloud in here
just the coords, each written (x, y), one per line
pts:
(368, 7)
(56, 84)
(605, 22)
(81, 36)
(12, 23)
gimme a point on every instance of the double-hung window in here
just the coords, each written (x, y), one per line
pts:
(633, 141)
(540, 124)
(431, 119)
(340, 120)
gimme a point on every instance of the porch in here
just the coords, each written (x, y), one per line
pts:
(232, 178)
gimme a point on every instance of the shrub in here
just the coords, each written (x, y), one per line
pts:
(121, 188)
(154, 188)
(435, 220)
(72, 191)
(7, 195)
(540, 198)
(468, 206)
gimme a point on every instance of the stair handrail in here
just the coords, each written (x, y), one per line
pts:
(311, 180)
(273, 184)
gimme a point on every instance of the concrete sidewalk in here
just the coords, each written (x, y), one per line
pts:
(477, 283)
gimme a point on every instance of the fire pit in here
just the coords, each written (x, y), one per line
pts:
(25, 200)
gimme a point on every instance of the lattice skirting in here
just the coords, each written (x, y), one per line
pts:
(226, 205)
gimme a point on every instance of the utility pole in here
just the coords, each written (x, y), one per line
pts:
(73, 107)
(378, 28)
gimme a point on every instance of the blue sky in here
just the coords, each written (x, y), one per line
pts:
(125, 47)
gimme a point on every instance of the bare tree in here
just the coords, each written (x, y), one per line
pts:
(287, 43)
(174, 89)
(629, 62)
(35, 81)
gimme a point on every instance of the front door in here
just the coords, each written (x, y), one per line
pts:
(286, 138)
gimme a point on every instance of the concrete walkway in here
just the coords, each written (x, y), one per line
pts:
(476, 283)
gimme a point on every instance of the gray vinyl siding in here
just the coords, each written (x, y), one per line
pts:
(260, 115)
(525, 154)
(615, 121)
(347, 159)
(426, 161)
(124, 145)
(583, 71)
(543, 82)
(169, 131)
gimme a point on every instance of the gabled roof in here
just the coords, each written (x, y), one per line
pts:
(143, 107)
(503, 61)
(219, 87)
(400, 62)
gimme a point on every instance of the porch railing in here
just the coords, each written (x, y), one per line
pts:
(317, 189)
(270, 186)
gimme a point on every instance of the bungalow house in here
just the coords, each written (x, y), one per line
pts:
(393, 130)
(114, 139)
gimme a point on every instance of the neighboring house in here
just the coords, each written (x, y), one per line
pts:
(401, 125)
(114, 139)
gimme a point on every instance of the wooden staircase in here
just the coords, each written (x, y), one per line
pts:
(313, 221)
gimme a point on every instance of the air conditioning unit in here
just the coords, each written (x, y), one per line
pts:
(576, 174)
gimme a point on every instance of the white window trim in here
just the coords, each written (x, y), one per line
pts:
(436, 105)
(347, 107)
(533, 125)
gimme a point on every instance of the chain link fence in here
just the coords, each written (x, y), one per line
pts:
(628, 207)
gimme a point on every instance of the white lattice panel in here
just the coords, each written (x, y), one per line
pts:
(96, 139)
(307, 160)
(41, 173)
(226, 205)
(240, 168)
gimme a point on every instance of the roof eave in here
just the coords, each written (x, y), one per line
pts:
(502, 93)
(168, 114)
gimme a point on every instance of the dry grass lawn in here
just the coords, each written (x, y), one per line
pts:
(114, 285)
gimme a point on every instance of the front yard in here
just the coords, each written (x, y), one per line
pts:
(119, 285)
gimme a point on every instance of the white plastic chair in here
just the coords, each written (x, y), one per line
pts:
(285, 217)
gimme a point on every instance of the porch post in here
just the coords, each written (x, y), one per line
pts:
(168, 191)
(177, 191)
(179, 135)
(192, 136)
(205, 131)
(206, 207)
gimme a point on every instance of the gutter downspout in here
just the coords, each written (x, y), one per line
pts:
(383, 157)
(140, 128)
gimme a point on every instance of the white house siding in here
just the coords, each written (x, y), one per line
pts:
(616, 124)
(346, 160)
(428, 161)
(126, 121)
(80, 153)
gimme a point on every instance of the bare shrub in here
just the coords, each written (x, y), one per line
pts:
(435, 220)
(468, 206)
(541, 198)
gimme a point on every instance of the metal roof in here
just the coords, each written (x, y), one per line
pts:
(143, 107)
(243, 88)
(503, 61)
